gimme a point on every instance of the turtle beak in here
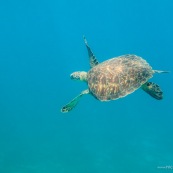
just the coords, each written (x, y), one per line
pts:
(73, 76)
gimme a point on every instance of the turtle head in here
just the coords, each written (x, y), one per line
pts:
(79, 75)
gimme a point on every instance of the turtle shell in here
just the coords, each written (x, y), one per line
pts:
(118, 77)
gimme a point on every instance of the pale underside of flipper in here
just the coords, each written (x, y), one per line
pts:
(72, 104)
(153, 90)
(93, 60)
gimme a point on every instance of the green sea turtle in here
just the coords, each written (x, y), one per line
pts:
(115, 78)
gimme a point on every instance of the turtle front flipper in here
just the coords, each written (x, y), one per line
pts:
(153, 90)
(93, 60)
(69, 106)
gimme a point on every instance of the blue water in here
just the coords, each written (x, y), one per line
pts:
(40, 45)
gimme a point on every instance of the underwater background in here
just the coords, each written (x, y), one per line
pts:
(41, 44)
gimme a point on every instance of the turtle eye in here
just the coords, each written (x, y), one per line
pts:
(76, 77)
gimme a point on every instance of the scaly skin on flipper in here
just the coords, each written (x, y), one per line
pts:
(92, 59)
(69, 106)
(153, 90)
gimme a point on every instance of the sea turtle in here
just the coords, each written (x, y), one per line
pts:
(115, 78)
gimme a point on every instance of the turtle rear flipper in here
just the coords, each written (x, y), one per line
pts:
(153, 90)
(69, 106)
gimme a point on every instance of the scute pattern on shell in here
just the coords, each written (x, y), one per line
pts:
(118, 77)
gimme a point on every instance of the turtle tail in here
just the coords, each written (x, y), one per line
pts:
(160, 71)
